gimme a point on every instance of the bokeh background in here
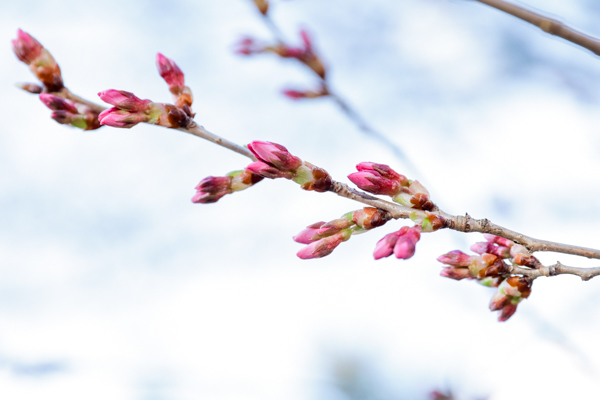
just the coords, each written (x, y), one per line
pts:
(113, 285)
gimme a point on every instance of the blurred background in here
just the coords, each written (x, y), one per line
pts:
(113, 285)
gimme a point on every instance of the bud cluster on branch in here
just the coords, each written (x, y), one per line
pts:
(505, 261)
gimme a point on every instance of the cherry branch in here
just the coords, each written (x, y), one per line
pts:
(396, 211)
(489, 267)
(548, 25)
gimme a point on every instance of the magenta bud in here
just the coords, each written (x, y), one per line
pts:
(333, 227)
(275, 155)
(323, 247)
(248, 45)
(294, 94)
(62, 117)
(498, 301)
(26, 48)
(124, 100)
(309, 234)
(507, 312)
(481, 247)
(385, 247)
(384, 170)
(373, 182)
(498, 240)
(208, 197)
(213, 183)
(120, 118)
(30, 87)
(56, 103)
(170, 72)
(455, 273)
(456, 258)
(406, 244)
(268, 171)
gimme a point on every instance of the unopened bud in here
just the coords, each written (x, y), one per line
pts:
(57, 103)
(40, 61)
(325, 246)
(30, 87)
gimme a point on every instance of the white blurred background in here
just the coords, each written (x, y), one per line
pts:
(113, 285)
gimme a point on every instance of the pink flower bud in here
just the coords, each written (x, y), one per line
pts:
(213, 183)
(456, 258)
(335, 226)
(455, 273)
(510, 293)
(521, 256)
(498, 240)
(121, 118)
(268, 171)
(124, 100)
(275, 155)
(406, 244)
(295, 94)
(402, 243)
(373, 182)
(325, 246)
(56, 103)
(26, 48)
(507, 312)
(248, 45)
(384, 170)
(385, 247)
(310, 234)
(62, 117)
(40, 61)
(171, 73)
(30, 87)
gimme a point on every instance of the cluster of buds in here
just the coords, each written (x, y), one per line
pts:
(212, 188)
(40, 62)
(306, 94)
(130, 110)
(323, 237)
(69, 113)
(510, 293)
(171, 73)
(401, 243)
(489, 268)
(381, 179)
(275, 161)
(305, 53)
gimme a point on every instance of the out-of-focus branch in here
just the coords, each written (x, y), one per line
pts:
(349, 111)
(549, 25)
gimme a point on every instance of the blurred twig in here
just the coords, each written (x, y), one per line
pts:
(350, 112)
(548, 25)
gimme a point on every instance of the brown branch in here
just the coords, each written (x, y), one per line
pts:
(397, 211)
(468, 224)
(557, 269)
(548, 25)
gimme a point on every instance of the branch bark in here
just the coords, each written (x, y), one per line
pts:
(548, 25)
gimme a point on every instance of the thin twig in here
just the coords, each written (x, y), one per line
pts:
(549, 25)
(557, 269)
